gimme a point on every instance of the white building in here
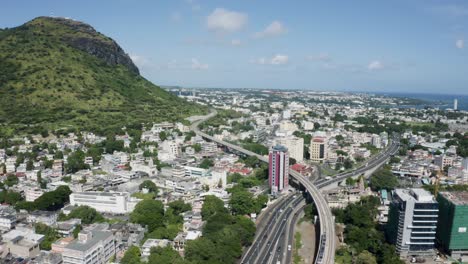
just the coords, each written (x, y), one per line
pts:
(91, 247)
(105, 202)
(22, 242)
(171, 147)
(7, 218)
(295, 147)
(318, 149)
(376, 141)
(32, 194)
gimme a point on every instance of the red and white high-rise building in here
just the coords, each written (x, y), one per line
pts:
(278, 169)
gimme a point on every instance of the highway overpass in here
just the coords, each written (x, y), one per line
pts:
(326, 250)
(326, 243)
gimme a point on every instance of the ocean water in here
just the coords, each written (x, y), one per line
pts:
(442, 101)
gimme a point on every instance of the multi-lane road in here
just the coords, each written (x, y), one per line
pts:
(326, 243)
(373, 163)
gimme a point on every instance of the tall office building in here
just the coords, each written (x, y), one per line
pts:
(278, 169)
(455, 104)
(452, 230)
(318, 149)
(412, 222)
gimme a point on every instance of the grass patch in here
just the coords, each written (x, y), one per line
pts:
(297, 245)
(144, 196)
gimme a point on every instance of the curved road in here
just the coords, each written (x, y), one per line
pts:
(326, 251)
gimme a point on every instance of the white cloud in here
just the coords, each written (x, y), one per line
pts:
(278, 59)
(276, 28)
(176, 17)
(236, 42)
(225, 21)
(196, 65)
(375, 65)
(324, 57)
(460, 43)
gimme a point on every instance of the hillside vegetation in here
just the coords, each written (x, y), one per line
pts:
(58, 73)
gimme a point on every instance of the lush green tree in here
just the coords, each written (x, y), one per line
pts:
(95, 152)
(150, 186)
(165, 255)
(30, 165)
(383, 179)
(132, 256)
(197, 147)
(234, 177)
(58, 155)
(75, 162)
(310, 211)
(261, 202)
(50, 235)
(242, 203)
(201, 250)
(339, 138)
(251, 161)
(76, 231)
(348, 164)
(87, 215)
(211, 206)
(394, 160)
(11, 180)
(10, 197)
(365, 257)
(54, 200)
(206, 163)
(148, 213)
(162, 135)
(179, 206)
(111, 145)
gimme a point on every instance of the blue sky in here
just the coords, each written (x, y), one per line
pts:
(399, 46)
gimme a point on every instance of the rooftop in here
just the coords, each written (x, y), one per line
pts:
(96, 237)
(457, 198)
(415, 194)
(280, 148)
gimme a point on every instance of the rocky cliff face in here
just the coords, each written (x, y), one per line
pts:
(84, 37)
(111, 53)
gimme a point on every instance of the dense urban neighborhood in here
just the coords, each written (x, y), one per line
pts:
(165, 194)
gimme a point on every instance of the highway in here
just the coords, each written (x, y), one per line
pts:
(371, 164)
(287, 255)
(326, 243)
(263, 233)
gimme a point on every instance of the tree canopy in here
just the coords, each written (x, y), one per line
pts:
(383, 179)
(150, 186)
(87, 215)
(148, 213)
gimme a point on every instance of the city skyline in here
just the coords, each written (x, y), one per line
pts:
(416, 46)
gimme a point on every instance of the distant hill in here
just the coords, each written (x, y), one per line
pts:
(59, 73)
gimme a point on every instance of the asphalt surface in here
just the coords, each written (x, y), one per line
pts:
(262, 234)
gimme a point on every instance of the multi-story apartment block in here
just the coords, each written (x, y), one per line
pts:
(91, 247)
(278, 169)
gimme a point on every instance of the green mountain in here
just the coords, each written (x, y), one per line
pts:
(58, 73)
